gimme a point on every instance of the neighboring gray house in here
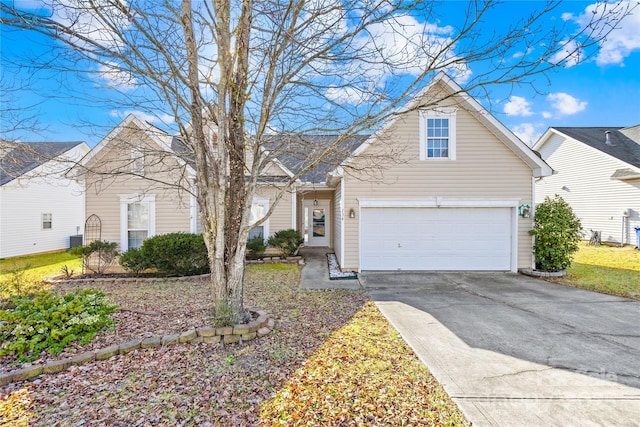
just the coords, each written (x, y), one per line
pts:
(40, 207)
(598, 174)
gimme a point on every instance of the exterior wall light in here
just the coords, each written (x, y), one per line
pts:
(352, 213)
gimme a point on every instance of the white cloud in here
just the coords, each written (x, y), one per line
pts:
(517, 106)
(565, 104)
(547, 114)
(569, 54)
(347, 95)
(622, 40)
(117, 78)
(402, 44)
(81, 17)
(527, 132)
(150, 118)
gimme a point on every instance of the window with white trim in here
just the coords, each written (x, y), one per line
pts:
(137, 224)
(137, 219)
(438, 134)
(47, 221)
(137, 162)
(259, 208)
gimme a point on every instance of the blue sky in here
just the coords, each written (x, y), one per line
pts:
(601, 91)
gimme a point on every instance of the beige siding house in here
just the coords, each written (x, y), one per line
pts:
(456, 197)
(137, 186)
(441, 187)
(598, 174)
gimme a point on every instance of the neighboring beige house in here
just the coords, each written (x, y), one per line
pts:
(451, 196)
(598, 174)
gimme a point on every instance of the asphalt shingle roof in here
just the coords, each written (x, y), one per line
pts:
(20, 158)
(296, 152)
(621, 147)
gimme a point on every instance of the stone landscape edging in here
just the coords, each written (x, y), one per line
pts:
(225, 335)
(538, 273)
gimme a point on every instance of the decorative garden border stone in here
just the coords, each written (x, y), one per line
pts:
(233, 334)
(536, 273)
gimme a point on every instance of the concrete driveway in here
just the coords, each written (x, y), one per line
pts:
(516, 351)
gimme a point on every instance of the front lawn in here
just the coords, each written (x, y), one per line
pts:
(331, 360)
(605, 269)
(41, 266)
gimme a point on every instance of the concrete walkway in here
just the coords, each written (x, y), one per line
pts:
(315, 273)
(515, 351)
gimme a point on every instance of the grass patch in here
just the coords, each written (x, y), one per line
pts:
(363, 374)
(41, 266)
(605, 269)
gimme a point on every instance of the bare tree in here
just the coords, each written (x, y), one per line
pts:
(232, 74)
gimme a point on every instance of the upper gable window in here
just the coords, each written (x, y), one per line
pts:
(137, 162)
(438, 134)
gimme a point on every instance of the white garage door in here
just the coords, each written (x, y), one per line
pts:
(436, 238)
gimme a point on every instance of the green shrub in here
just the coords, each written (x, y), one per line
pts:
(98, 255)
(289, 241)
(256, 247)
(50, 321)
(556, 230)
(134, 261)
(177, 254)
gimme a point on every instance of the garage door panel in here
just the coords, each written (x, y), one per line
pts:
(436, 238)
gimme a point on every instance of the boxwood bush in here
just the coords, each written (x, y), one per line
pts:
(49, 322)
(176, 254)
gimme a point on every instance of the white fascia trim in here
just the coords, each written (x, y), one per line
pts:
(439, 201)
(294, 208)
(193, 209)
(342, 222)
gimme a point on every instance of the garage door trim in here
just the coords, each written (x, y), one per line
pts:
(449, 202)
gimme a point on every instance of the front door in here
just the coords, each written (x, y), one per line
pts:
(316, 222)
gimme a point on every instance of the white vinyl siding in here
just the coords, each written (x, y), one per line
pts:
(583, 180)
(24, 200)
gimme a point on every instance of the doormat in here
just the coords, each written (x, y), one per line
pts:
(334, 270)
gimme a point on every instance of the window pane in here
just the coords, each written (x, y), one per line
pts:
(47, 221)
(256, 232)
(136, 238)
(257, 212)
(138, 216)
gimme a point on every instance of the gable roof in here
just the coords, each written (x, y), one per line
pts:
(157, 135)
(538, 166)
(621, 146)
(26, 156)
